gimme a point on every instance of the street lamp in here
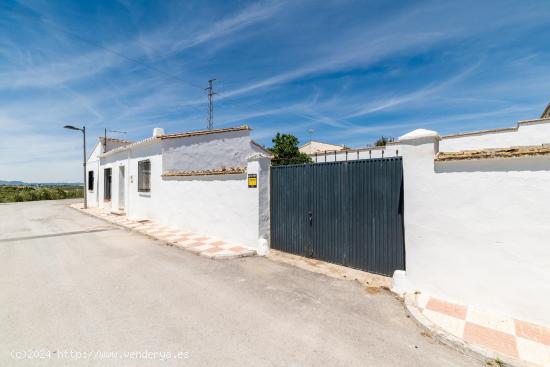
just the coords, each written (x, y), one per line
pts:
(70, 127)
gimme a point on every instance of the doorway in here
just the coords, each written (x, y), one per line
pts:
(121, 186)
(107, 184)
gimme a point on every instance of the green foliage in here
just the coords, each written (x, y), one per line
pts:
(383, 140)
(286, 151)
(11, 194)
(495, 362)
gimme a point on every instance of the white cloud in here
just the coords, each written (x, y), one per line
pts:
(417, 95)
(58, 73)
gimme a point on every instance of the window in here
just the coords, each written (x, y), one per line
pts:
(107, 187)
(144, 176)
(90, 180)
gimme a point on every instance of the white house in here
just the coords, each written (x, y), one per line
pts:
(317, 147)
(213, 182)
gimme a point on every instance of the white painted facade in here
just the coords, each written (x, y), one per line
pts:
(93, 165)
(478, 231)
(220, 205)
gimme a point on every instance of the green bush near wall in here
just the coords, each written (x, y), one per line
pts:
(12, 194)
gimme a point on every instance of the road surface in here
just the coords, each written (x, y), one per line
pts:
(75, 290)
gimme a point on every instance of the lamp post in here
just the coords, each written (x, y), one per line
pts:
(70, 127)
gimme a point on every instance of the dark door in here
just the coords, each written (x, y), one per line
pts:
(107, 187)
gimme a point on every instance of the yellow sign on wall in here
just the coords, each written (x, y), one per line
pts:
(252, 180)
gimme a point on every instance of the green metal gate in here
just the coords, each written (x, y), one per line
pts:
(349, 213)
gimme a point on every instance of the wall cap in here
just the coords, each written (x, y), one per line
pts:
(510, 152)
(419, 134)
(206, 172)
(258, 156)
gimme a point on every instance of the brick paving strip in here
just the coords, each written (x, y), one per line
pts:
(210, 247)
(515, 342)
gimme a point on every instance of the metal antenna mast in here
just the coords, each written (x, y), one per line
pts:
(105, 137)
(210, 122)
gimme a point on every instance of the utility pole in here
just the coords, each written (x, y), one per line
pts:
(210, 122)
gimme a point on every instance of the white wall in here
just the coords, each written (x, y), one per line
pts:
(533, 133)
(478, 231)
(203, 152)
(92, 164)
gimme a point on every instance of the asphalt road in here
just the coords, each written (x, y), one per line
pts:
(75, 291)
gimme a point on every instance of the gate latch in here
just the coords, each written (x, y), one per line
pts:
(310, 216)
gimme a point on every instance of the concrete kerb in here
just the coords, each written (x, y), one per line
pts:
(452, 341)
(167, 243)
(230, 256)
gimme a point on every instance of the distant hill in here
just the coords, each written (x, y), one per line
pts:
(12, 183)
(21, 183)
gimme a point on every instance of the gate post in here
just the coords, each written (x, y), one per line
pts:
(259, 165)
(418, 149)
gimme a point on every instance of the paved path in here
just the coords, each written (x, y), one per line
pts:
(72, 284)
(207, 246)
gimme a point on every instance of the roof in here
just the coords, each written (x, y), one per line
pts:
(313, 147)
(493, 153)
(153, 139)
(204, 132)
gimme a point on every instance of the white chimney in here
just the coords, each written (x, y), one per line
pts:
(158, 131)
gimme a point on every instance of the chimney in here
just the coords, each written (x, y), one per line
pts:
(158, 131)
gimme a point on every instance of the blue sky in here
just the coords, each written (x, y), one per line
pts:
(349, 70)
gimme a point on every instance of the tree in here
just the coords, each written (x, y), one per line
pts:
(382, 141)
(285, 149)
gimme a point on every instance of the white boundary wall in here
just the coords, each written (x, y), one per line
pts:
(478, 231)
(535, 132)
